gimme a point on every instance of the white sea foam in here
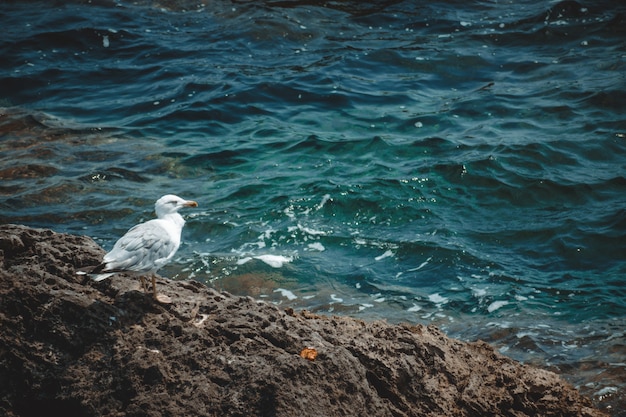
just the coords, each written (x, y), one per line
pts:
(336, 299)
(414, 308)
(267, 234)
(437, 299)
(521, 335)
(289, 212)
(310, 231)
(322, 203)
(423, 264)
(275, 261)
(244, 260)
(606, 391)
(570, 346)
(387, 254)
(501, 325)
(496, 305)
(316, 246)
(286, 293)
(479, 292)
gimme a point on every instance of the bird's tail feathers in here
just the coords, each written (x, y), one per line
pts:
(100, 277)
(95, 272)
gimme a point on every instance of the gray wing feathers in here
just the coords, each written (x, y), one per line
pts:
(143, 248)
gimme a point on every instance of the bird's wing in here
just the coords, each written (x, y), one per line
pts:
(145, 247)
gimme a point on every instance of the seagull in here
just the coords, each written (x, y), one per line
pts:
(148, 246)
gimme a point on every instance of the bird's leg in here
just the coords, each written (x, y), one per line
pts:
(161, 298)
(143, 283)
(154, 291)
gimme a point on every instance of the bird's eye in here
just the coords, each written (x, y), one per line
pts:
(172, 202)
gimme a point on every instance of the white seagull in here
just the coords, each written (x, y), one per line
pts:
(148, 246)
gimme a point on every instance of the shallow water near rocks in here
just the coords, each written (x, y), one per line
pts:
(450, 163)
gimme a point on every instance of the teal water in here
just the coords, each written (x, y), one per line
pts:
(462, 164)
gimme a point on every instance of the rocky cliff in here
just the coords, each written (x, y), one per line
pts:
(82, 349)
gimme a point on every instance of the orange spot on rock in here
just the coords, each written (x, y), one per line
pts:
(308, 353)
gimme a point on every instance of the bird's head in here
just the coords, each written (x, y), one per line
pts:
(170, 203)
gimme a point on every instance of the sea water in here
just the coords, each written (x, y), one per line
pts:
(460, 164)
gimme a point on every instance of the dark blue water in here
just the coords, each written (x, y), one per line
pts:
(455, 163)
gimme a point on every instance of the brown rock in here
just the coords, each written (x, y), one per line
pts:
(106, 349)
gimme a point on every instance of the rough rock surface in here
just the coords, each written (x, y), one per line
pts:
(106, 349)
